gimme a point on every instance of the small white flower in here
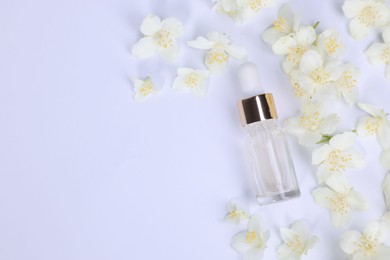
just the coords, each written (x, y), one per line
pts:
(337, 156)
(143, 89)
(379, 53)
(297, 241)
(385, 220)
(316, 76)
(340, 199)
(286, 24)
(330, 44)
(251, 242)
(367, 245)
(189, 79)
(235, 213)
(385, 159)
(346, 85)
(376, 123)
(220, 49)
(294, 46)
(386, 189)
(312, 125)
(159, 36)
(365, 15)
(231, 8)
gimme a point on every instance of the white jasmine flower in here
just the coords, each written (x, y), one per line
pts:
(316, 75)
(220, 50)
(143, 89)
(296, 85)
(376, 123)
(337, 156)
(340, 199)
(297, 241)
(251, 242)
(346, 85)
(235, 213)
(385, 159)
(286, 24)
(330, 44)
(367, 245)
(189, 79)
(312, 125)
(379, 53)
(230, 8)
(159, 36)
(365, 15)
(294, 46)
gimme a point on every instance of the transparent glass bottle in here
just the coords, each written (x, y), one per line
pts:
(271, 166)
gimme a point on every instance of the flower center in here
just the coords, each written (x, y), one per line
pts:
(298, 90)
(281, 25)
(146, 89)
(367, 245)
(251, 237)
(320, 76)
(372, 126)
(163, 39)
(332, 45)
(311, 122)
(386, 55)
(192, 80)
(297, 245)
(256, 5)
(369, 16)
(338, 203)
(295, 54)
(216, 56)
(338, 161)
(348, 82)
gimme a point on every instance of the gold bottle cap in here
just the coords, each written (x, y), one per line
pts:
(257, 108)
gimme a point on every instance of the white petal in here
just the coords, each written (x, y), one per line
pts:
(383, 13)
(310, 61)
(169, 54)
(374, 53)
(174, 26)
(184, 71)
(287, 234)
(356, 201)
(150, 25)
(306, 35)
(323, 173)
(288, 66)
(218, 37)
(301, 228)
(144, 48)
(201, 43)
(387, 72)
(348, 241)
(284, 252)
(287, 13)
(334, 68)
(358, 30)
(340, 219)
(239, 242)
(309, 138)
(370, 109)
(329, 124)
(254, 224)
(231, 205)
(321, 154)
(283, 45)
(383, 252)
(322, 195)
(386, 35)
(271, 35)
(385, 160)
(179, 85)
(237, 52)
(352, 8)
(307, 83)
(254, 254)
(386, 189)
(338, 184)
(312, 242)
(343, 141)
(377, 230)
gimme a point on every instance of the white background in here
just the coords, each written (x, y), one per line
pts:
(86, 173)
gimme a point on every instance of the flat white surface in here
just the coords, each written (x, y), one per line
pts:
(88, 174)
